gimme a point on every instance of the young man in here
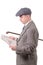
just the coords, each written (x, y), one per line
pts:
(28, 40)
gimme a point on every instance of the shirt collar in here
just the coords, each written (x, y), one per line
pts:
(27, 23)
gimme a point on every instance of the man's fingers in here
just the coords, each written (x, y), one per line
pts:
(11, 37)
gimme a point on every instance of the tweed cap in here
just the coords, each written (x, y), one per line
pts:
(24, 11)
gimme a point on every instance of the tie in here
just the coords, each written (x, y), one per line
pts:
(23, 27)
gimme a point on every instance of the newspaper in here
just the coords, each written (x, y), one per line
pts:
(8, 40)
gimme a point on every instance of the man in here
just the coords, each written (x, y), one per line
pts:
(28, 40)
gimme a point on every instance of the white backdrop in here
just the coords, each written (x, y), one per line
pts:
(9, 22)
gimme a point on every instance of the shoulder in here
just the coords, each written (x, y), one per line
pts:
(32, 28)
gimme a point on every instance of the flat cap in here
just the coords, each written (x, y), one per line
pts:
(24, 11)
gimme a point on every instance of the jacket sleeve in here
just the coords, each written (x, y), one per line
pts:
(30, 44)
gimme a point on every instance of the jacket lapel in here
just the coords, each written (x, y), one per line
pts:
(25, 29)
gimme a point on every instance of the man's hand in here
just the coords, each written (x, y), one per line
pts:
(11, 37)
(13, 47)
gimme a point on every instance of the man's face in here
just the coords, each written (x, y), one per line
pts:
(25, 18)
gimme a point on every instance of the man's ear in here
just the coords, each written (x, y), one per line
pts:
(29, 15)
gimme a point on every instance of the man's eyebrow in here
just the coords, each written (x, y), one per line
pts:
(20, 15)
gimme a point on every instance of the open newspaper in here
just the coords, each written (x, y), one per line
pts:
(8, 40)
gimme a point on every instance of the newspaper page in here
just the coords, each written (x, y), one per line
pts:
(8, 40)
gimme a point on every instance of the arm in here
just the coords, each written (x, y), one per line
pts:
(30, 44)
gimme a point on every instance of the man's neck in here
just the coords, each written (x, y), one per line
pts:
(27, 23)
